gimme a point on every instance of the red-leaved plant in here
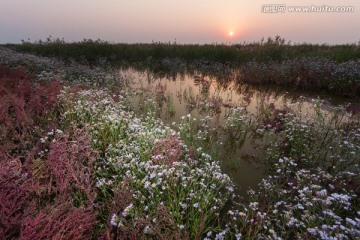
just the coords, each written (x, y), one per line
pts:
(27, 106)
(17, 200)
(62, 222)
(70, 164)
(168, 150)
(49, 195)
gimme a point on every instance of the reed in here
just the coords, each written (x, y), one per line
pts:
(275, 49)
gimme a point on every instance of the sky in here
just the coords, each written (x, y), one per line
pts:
(181, 21)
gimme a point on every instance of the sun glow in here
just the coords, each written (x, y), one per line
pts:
(231, 33)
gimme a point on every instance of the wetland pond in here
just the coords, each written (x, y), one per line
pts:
(211, 99)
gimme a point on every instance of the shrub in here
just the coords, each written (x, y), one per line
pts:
(60, 222)
(27, 107)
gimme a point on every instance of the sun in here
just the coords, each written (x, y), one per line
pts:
(231, 33)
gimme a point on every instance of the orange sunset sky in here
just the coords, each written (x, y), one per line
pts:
(186, 21)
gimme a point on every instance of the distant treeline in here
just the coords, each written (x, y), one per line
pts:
(271, 49)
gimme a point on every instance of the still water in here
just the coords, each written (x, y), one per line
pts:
(181, 94)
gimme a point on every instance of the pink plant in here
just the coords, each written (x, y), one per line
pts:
(60, 222)
(168, 150)
(26, 106)
(49, 196)
(70, 163)
(65, 172)
(16, 197)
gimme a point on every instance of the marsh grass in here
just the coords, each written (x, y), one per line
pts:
(124, 175)
(276, 49)
(329, 68)
(306, 73)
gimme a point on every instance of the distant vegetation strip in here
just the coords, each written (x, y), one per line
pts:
(272, 49)
(331, 68)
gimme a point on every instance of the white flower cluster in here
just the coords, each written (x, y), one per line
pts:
(189, 188)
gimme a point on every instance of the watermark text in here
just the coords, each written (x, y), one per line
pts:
(282, 8)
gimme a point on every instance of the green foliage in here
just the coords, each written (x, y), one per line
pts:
(276, 49)
(158, 167)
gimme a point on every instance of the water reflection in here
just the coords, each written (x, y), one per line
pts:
(206, 95)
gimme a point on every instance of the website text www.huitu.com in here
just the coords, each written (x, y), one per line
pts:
(282, 8)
